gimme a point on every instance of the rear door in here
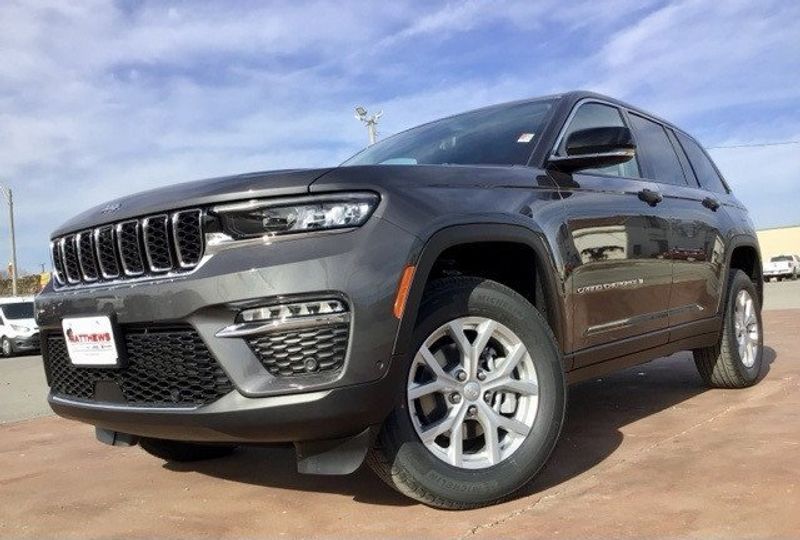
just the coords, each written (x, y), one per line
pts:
(696, 217)
(618, 273)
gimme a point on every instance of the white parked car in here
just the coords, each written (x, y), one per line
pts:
(782, 266)
(18, 329)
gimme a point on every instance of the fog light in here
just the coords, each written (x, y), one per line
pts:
(286, 317)
(283, 312)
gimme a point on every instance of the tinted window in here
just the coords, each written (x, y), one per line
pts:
(22, 310)
(501, 135)
(782, 258)
(703, 168)
(688, 173)
(652, 141)
(592, 115)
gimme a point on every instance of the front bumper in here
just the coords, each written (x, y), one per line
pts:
(311, 416)
(361, 266)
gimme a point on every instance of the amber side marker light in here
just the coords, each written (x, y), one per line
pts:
(402, 290)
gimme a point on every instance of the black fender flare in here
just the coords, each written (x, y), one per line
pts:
(744, 240)
(552, 284)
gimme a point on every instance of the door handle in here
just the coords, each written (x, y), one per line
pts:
(650, 197)
(711, 203)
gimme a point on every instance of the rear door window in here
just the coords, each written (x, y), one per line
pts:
(703, 168)
(654, 144)
(592, 115)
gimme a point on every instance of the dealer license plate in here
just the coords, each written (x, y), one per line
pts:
(90, 341)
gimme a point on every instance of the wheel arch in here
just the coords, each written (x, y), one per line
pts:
(744, 254)
(471, 234)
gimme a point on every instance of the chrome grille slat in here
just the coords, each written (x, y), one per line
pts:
(86, 257)
(106, 252)
(157, 243)
(148, 247)
(58, 262)
(187, 230)
(130, 247)
(69, 251)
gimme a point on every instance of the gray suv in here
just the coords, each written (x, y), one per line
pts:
(421, 307)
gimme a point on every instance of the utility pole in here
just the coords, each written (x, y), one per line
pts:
(9, 196)
(370, 121)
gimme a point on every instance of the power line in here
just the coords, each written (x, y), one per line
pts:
(753, 145)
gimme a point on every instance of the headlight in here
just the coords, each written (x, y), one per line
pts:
(288, 216)
(21, 329)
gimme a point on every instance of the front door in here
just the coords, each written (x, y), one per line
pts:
(617, 255)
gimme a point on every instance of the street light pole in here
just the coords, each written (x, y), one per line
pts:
(370, 121)
(9, 195)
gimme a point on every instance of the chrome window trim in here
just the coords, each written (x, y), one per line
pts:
(145, 235)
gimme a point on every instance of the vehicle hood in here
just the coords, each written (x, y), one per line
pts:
(196, 193)
(29, 323)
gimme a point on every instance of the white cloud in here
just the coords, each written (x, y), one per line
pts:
(97, 101)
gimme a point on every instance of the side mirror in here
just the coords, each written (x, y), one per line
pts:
(595, 148)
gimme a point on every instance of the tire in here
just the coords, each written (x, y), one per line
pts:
(402, 460)
(724, 365)
(7, 348)
(184, 451)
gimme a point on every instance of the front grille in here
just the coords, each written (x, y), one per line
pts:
(298, 352)
(166, 366)
(152, 246)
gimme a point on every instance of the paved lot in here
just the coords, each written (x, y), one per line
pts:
(645, 452)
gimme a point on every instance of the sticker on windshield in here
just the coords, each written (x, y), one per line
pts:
(526, 137)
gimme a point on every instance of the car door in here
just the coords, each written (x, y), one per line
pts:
(698, 210)
(618, 276)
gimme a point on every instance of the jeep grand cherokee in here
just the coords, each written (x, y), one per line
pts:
(421, 307)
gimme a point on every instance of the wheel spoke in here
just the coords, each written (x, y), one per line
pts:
(485, 331)
(455, 452)
(486, 417)
(444, 425)
(419, 390)
(456, 331)
(525, 388)
(508, 364)
(433, 364)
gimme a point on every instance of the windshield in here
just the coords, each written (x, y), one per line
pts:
(782, 258)
(499, 135)
(21, 310)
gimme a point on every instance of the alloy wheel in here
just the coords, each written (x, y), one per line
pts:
(746, 328)
(473, 392)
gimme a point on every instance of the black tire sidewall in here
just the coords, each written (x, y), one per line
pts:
(472, 297)
(740, 281)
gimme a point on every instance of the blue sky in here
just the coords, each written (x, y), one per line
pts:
(100, 99)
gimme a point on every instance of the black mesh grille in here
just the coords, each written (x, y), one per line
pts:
(156, 240)
(86, 256)
(302, 351)
(166, 366)
(71, 260)
(130, 249)
(188, 237)
(107, 252)
(149, 246)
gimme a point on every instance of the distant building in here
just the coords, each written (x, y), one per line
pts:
(779, 241)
